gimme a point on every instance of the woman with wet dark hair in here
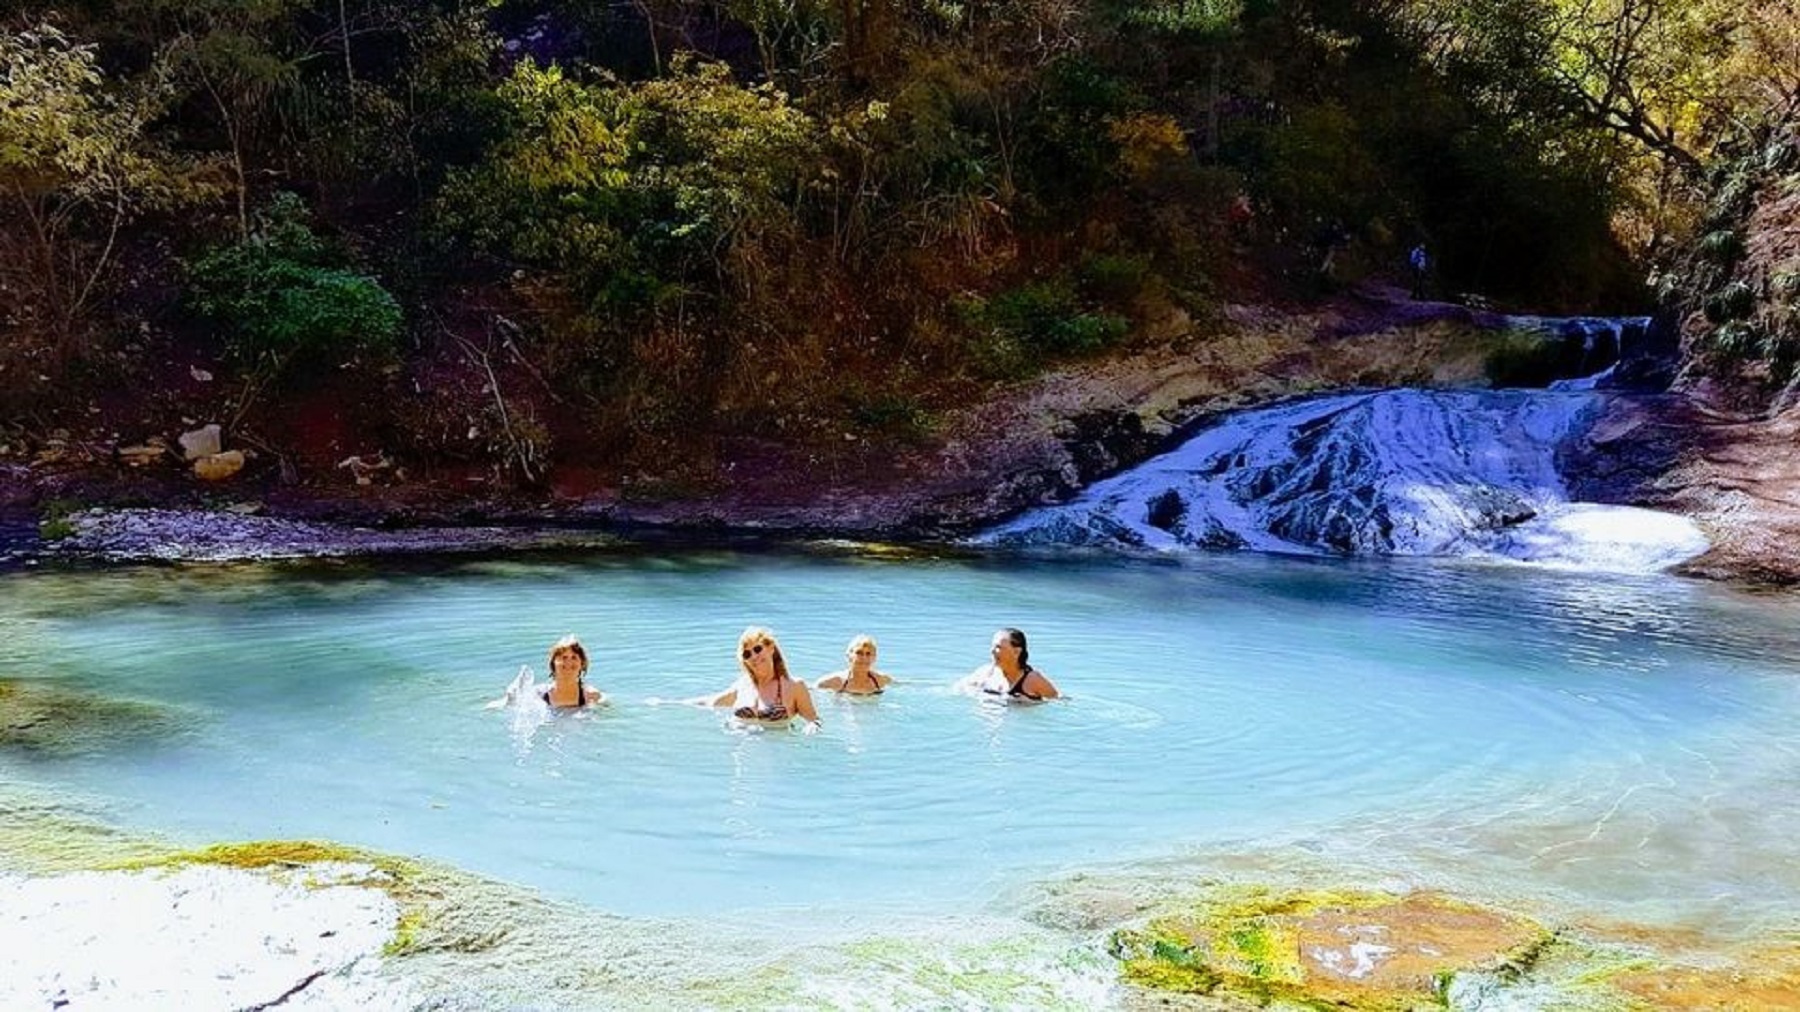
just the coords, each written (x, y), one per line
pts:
(568, 677)
(1010, 675)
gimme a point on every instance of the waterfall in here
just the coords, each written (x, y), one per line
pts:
(1389, 472)
(1585, 350)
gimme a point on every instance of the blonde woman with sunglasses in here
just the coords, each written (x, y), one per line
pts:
(766, 694)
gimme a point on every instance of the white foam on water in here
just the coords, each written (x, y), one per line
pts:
(1593, 537)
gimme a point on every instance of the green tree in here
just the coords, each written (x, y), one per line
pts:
(1650, 70)
(636, 193)
(77, 163)
(282, 293)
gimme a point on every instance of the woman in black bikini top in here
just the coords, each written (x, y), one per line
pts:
(860, 678)
(568, 666)
(1010, 674)
(766, 693)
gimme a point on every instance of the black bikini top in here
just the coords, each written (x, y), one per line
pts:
(580, 696)
(844, 686)
(1014, 690)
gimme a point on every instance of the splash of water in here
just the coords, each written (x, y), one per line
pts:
(526, 708)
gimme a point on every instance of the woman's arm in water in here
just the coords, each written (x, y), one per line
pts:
(833, 681)
(803, 706)
(1037, 685)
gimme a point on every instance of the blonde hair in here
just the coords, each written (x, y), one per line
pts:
(754, 635)
(568, 644)
(861, 639)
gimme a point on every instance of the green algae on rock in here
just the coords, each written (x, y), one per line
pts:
(1353, 950)
(53, 720)
(408, 883)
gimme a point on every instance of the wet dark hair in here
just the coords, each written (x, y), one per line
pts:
(1017, 638)
(572, 645)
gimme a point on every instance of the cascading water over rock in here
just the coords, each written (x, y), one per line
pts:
(1391, 472)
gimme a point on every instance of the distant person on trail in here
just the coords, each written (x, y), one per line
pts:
(1418, 263)
(1331, 239)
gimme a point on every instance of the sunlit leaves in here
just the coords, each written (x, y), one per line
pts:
(625, 190)
(76, 163)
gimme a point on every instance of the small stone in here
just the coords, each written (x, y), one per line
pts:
(200, 375)
(142, 454)
(201, 442)
(219, 466)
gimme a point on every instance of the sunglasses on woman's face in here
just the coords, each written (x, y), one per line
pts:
(757, 649)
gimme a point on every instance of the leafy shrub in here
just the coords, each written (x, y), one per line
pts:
(1724, 246)
(55, 520)
(1732, 198)
(891, 414)
(634, 195)
(1744, 341)
(1784, 285)
(283, 293)
(1036, 320)
(1320, 169)
(1114, 277)
(1736, 340)
(1069, 148)
(1733, 302)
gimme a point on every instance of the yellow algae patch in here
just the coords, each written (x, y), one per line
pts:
(266, 854)
(1368, 951)
(326, 865)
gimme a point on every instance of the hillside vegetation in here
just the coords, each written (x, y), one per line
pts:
(509, 240)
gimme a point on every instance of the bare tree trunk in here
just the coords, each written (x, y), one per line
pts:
(643, 9)
(344, 29)
(1212, 108)
(237, 156)
(112, 236)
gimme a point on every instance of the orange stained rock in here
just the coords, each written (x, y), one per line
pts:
(1768, 988)
(1352, 950)
(1402, 947)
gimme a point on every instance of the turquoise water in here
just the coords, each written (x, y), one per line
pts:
(1627, 742)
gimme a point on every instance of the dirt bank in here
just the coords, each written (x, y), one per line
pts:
(1035, 441)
